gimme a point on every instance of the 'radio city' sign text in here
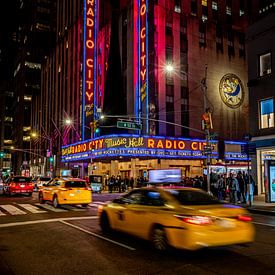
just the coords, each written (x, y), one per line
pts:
(138, 142)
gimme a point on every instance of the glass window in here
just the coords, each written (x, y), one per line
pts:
(134, 197)
(153, 198)
(191, 197)
(267, 113)
(214, 5)
(75, 184)
(265, 64)
(21, 179)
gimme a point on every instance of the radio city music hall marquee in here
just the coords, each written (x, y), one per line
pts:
(135, 146)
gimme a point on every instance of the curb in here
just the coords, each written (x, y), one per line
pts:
(262, 211)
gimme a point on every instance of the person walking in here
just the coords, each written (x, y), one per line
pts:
(221, 187)
(250, 191)
(241, 192)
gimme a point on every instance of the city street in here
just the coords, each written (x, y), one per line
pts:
(39, 240)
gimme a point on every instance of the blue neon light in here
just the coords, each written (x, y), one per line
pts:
(147, 72)
(95, 62)
(84, 73)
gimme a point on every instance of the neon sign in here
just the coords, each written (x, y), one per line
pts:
(133, 143)
(143, 58)
(89, 63)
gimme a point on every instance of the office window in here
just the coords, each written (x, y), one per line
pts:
(267, 113)
(265, 64)
(194, 7)
(204, 8)
(202, 34)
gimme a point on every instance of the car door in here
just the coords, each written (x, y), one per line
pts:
(147, 211)
(122, 219)
(48, 190)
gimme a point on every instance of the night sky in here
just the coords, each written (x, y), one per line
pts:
(7, 26)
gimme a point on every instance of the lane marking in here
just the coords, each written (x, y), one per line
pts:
(47, 221)
(51, 208)
(266, 224)
(12, 209)
(31, 208)
(99, 236)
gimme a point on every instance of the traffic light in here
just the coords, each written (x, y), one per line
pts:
(2, 154)
(207, 120)
(51, 159)
(96, 127)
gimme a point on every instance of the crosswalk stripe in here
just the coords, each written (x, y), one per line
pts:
(73, 208)
(13, 210)
(51, 208)
(31, 208)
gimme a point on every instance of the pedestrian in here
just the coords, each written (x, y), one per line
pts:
(221, 187)
(111, 184)
(250, 191)
(132, 183)
(241, 192)
(234, 189)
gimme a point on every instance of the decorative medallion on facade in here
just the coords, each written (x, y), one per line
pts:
(231, 91)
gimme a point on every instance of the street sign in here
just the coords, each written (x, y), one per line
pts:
(128, 125)
(207, 149)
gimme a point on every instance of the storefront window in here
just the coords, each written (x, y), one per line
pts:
(267, 113)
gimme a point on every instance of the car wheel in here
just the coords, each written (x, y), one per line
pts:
(41, 199)
(104, 223)
(55, 202)
(159, 239)
(84, 205)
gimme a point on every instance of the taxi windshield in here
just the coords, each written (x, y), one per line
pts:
(75, 184)
(192, 197)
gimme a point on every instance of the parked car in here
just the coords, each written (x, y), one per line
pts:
(66, 191)
(18, 185)
(184, 218)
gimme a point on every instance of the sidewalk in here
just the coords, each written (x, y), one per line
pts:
(259, 206)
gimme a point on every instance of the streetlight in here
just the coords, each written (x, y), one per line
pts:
(49, 152)
(169, 68)
(69, 122)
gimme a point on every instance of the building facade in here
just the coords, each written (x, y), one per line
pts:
(261, 60)
(159, 63)
(33, 39)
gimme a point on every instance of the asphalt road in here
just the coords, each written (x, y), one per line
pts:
(70, 242)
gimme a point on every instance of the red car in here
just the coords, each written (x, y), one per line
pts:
(18, 185)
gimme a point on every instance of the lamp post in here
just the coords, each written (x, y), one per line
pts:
(169, 68)
(49, 152)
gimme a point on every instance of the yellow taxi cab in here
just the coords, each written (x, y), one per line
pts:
(184, 218)
(66, 191)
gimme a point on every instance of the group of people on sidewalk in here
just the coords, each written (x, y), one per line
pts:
(237, 188)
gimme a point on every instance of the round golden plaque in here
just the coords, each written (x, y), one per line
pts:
(231, 91)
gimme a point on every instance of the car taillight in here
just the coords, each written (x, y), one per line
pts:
(244, 218)
(197, 220)
(13, 184)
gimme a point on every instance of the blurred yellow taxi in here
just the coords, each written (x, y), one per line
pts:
(66, 191)
(184, 218)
